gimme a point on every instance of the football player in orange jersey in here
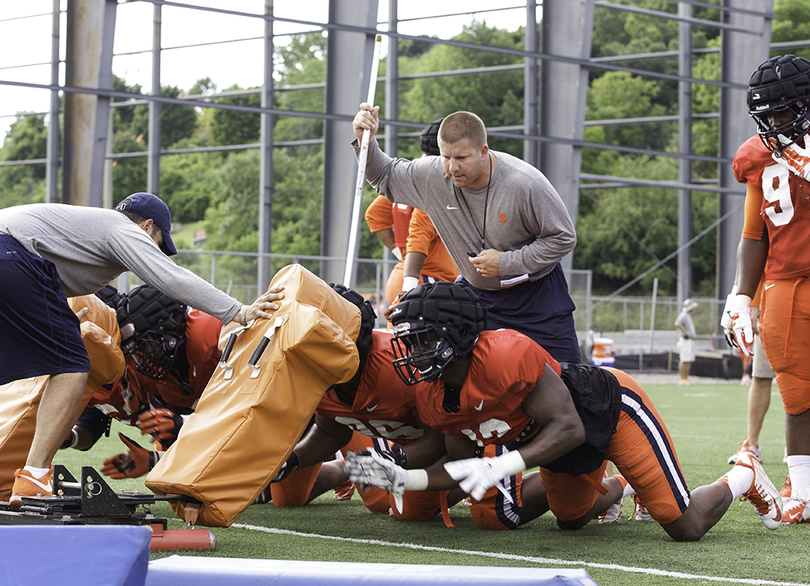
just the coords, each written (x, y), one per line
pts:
(500, 387)
(775, 166)
(171, 352)
(375, 403)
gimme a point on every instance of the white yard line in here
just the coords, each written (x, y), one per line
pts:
(523, 558)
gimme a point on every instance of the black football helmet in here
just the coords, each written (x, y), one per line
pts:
(780, 84)
(429, 139)
(434, 325)
(153, 330)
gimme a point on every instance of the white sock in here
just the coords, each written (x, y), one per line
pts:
(739, 479)
(799, 470)
(628, 490)
(37, 472)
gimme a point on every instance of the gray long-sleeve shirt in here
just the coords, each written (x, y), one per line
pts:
(92, 246)
(527, 220)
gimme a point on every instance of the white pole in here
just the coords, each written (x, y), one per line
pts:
(361, 171)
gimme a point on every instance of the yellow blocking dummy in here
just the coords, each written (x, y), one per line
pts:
(20, 399)
(249, 417)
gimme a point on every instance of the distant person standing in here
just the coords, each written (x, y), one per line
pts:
(503, 223)
(686, 341)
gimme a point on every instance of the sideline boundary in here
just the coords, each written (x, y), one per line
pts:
(523, 558)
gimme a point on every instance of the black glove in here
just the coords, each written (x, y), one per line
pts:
(400, 458)
(161, 424)
(287, 467)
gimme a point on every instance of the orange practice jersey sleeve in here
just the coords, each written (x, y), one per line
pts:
(422, 237)
(378, 215)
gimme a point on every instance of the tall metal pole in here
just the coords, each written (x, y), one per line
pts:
(266, 156)
(530, 71)
(391, 103)
(153, 164)
(52, 166)
(684, 146)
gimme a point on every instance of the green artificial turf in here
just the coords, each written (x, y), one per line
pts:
(707, 422)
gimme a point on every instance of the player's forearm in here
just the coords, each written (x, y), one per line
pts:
(318, 445)
(753, 254)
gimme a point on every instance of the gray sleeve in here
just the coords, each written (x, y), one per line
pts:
(395, 179)
(136, 251)
(547, 218)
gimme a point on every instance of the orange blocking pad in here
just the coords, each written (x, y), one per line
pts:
(179, 570)
(83, 555)
(250, 417)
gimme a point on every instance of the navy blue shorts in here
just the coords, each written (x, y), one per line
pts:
(542, 310)
(39, 333)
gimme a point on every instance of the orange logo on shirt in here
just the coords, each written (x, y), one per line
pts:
(502, 218)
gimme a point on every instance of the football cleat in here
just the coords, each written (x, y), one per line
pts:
(762, 494)
(613, 513)
(746, 446)
(25, 485)
(796, 510)
(641, 512)
(264, 497)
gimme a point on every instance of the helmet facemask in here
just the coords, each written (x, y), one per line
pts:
(152, 331)
(777, 138)
(154, 354)
(421, 352)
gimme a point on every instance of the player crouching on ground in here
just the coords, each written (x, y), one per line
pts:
(500, 387)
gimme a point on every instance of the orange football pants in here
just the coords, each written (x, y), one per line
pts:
(642, 451)
(785, 335)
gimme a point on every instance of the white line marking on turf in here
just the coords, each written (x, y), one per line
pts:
(523, 558)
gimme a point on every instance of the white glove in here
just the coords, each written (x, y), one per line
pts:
(726, 322)
(477, 475)
(397, 253)
(740, 311)
(370, 468)
(796, 159)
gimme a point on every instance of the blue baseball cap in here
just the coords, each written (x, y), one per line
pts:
(151, 207)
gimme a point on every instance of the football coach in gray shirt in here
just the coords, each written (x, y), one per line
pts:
(49, 252)
(503, 223)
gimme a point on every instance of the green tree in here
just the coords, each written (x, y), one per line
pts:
(129, 173)
(26, 139)
(177, 121)
(496, 97)
(188, 182)
(629, 229)
(234, 126)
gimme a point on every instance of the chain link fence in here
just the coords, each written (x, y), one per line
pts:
(641, 329)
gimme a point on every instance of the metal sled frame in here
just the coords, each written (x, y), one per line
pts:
(89, 502)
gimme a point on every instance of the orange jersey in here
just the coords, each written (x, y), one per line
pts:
(422, 237)
(504, 369)
(381, 214)
(384, 406)
(780, 204)
(402, 221)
